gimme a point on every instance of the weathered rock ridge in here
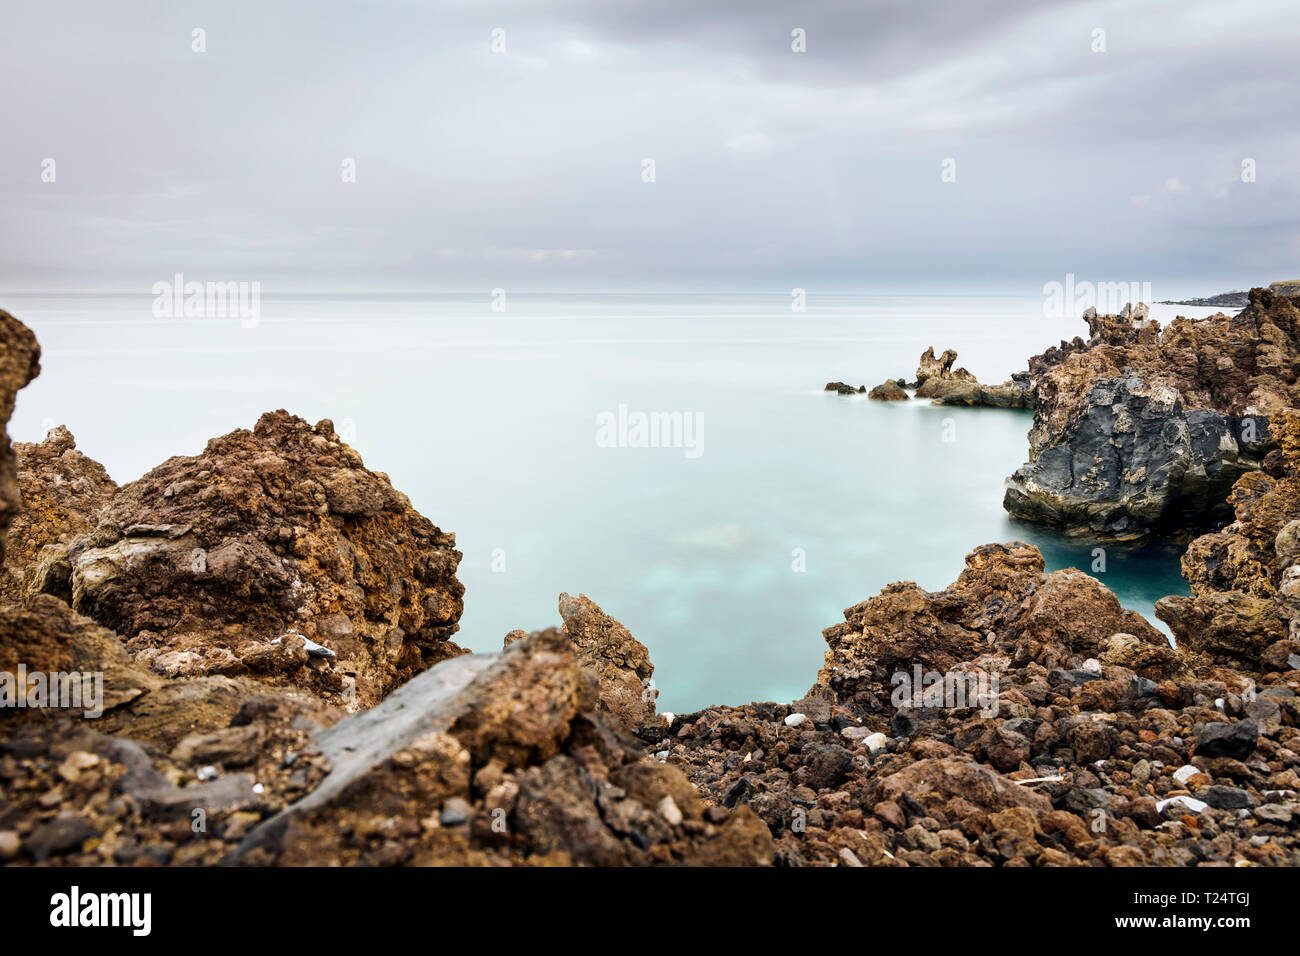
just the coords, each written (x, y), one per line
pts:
(1140, 430)
(275, 554)
(936, 379)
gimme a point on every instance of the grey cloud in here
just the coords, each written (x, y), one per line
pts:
(523, 169)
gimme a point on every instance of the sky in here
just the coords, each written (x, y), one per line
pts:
(910, 146)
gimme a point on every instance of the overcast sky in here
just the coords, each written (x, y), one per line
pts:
(773, 169)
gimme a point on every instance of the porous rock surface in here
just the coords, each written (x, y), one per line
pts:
(1141, 429)
(274, 553)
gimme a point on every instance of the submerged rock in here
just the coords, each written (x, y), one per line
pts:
(889, 391)
(843, 389)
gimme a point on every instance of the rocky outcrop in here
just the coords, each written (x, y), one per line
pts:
(889, 391)
(275, 554)
(619, 663)
(1004, 594)
(20, 362)
(62, 493)
(1088, 740)
(843, 389)
(937, 380)
(1143, 430)
(500, 759)
(1245, 578)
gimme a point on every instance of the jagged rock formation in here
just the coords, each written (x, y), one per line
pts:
(1245, 578)
(507, 758)
(62, 493)
(607, 650)
(889, 391)
(1139, 430)
(843, 389)
(938, 380)
(20, 362)
(1097, 743)
(275, 553)
(206, 727)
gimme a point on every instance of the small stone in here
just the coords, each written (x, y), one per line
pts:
(1235, 740)
(455, 812)
(890, 813)
(1183, 803)
(1274, 813)
(876, 742)
(848, 857)
(1184, 773)
(10, 844)
(668, 810)
(794, 720)
(67, 831)
(76, 762)
(1226, 798)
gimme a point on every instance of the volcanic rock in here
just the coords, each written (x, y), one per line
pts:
(1144, 430)
(280, 532)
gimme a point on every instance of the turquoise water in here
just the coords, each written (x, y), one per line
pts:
(726, 560)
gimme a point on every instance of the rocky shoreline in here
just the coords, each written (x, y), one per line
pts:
(272, 625)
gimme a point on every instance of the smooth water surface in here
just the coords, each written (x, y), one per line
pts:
(726, 560)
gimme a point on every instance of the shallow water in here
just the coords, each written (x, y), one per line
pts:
(488, 421)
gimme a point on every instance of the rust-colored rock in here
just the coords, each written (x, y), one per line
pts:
(275, 553)
(20, 362)
(63, 492)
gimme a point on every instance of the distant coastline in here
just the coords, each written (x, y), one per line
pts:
(1237, 299)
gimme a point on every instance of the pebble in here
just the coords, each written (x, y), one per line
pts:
(794, 720)
(1184, 773)
(10, 844)
(875, 742)
(1188, 803)
(849, 858)
(455, 812)
(1268, 813)
(668, 810)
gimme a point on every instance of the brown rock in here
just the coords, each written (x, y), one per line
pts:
(267, 534)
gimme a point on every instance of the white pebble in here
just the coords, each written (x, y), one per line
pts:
(875, 742)
(1190, 803)
(668, 810)
(1184, 773)
(1092, 665)
(794, 720)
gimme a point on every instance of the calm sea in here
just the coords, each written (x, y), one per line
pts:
(774, 507)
